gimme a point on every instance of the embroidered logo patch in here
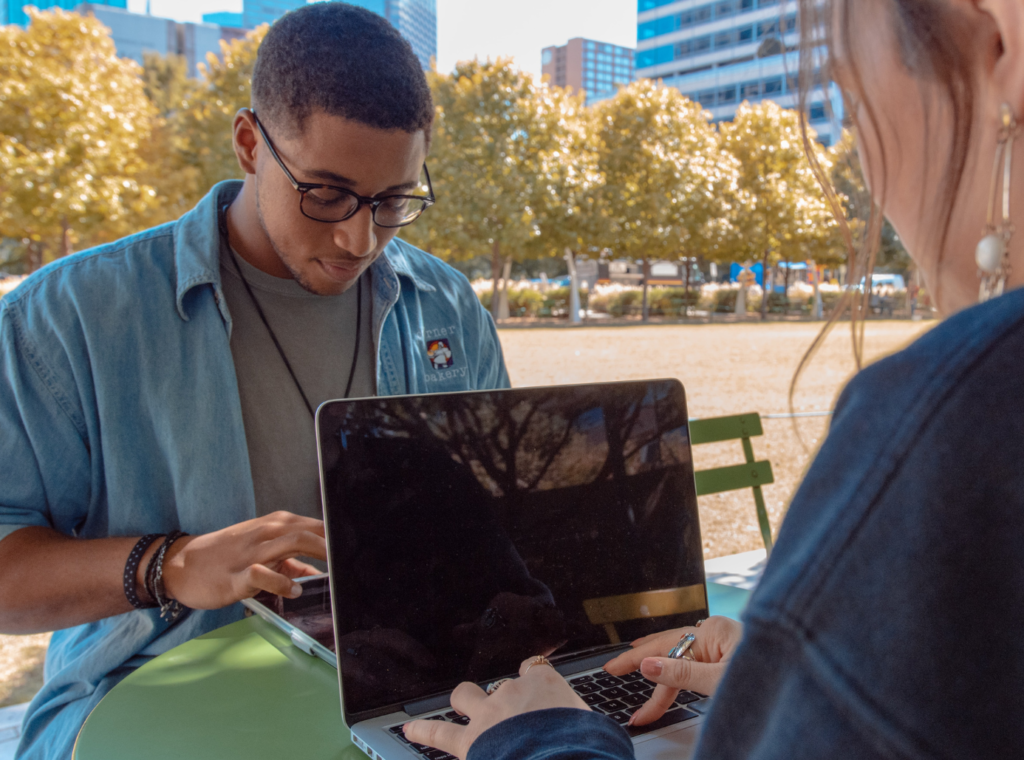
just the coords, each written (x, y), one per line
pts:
(440, 353)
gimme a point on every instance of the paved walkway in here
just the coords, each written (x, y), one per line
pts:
(740, 570)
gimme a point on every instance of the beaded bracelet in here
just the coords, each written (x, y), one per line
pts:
(170, 609)
(131, 570)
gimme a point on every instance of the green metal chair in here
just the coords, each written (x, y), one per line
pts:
(752, 475)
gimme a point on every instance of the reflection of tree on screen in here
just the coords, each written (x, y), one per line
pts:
(516, 444)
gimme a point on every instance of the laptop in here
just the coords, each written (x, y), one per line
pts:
(467, 532)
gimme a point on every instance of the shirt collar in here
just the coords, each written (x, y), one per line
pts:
(197, 247)
(400, 264)
(197, 243)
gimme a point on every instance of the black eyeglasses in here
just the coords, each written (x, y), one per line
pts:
(332, 204)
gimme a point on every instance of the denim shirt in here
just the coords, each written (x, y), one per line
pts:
(890, 619)
(120, 416)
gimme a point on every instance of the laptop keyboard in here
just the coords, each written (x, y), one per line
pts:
(618, 697)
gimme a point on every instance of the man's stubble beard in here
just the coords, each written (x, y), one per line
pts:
(298, 277)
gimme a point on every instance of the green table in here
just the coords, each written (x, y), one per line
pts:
(242, 691)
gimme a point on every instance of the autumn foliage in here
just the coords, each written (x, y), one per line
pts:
(94, 147)
(73, 120)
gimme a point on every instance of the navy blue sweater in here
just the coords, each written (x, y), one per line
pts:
(890, 620)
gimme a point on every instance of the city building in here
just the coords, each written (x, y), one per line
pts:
(725, 52)
(256, 12)
(224, 18)
(232, 25)
(416, 20)
(597, 68)
(232, 33)
(135, 34)
(13, 11)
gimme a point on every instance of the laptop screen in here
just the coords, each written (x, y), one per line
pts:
(469, 531)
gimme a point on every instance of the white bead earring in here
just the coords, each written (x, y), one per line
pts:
(993, 252)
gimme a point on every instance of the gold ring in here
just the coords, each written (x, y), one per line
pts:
(538, 660)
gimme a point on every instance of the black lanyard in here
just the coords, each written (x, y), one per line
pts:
(222, 224)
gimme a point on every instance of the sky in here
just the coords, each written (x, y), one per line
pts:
(481, 28)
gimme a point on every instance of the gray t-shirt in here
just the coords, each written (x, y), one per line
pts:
(317, 334)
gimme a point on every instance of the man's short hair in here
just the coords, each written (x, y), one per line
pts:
(345, 61)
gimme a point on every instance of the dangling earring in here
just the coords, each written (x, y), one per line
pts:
(993, 252)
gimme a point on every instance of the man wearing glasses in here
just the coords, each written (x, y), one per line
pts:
(157, 452)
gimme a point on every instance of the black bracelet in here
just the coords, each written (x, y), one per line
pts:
(155, 562)
(170, 609)
(131, 570)
(150, 573)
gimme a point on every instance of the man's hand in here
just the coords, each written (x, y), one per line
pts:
(52, 581)
(717, 639)
(539, 689)
(217, 569)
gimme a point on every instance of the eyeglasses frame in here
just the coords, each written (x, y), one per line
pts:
(361, 200)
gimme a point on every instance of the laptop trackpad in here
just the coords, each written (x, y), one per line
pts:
(675, 745)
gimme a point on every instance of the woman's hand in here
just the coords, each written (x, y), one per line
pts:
(717, 639)
(541, 688)
(217, 569)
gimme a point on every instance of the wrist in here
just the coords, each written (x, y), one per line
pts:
(174, 570)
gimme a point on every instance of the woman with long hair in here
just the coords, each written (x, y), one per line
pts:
(890, 619)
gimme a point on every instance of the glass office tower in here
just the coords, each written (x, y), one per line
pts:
(598, 68)
(224, 18)
(135, 34)
(416, 20)
(256, 12)
(13, 11)
(725, 52)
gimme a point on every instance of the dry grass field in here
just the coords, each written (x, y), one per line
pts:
(727, 369)
(21, 667)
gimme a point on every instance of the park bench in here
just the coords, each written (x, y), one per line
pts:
(752, 474)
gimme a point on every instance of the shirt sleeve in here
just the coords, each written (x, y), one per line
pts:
(44, 459)
(557, 734)
(775, 703)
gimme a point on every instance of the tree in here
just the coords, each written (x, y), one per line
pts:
(567, 215)
(848, 179)
(169, 171)
(190, 149)
(665, 183)
(495, 134)
(167, 83)
(204, 123)
(73, 119)
(566, 207)
(783, 213)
